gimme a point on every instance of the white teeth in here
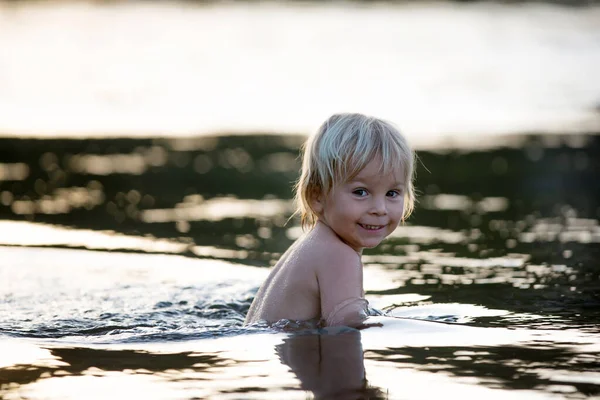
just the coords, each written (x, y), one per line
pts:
(371, 227)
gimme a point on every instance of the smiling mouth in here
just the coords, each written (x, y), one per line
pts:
(371, 227)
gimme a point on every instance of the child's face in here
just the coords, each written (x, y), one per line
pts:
(366, 209)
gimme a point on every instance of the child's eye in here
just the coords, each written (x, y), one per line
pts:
(393, 193)
(360, 192)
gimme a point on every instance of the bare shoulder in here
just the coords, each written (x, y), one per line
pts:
(339, 263)
(336, 265)
(326, 250)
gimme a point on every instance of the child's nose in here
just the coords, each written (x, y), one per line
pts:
(378, 206)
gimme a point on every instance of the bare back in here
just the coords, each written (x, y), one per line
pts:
(318, 277)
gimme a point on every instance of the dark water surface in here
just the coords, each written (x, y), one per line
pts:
(130, 264)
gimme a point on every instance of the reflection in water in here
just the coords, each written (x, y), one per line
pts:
(329, 364)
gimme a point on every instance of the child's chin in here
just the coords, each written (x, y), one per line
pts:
(372, 245)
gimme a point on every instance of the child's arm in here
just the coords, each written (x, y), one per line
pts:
(340, 287)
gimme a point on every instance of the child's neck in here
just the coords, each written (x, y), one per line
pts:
(320, 225)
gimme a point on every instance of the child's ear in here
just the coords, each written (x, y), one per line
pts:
(316, 201)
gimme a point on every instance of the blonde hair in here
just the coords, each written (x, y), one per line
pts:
(341, 148)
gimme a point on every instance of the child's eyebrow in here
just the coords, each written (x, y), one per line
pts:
(356, 181)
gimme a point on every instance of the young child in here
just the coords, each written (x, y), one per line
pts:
(354, 189)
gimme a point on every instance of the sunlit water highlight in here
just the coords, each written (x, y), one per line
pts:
(103, 314)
